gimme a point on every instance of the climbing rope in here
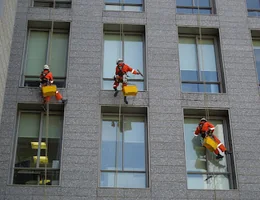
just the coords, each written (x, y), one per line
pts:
(121, 54)
(206, 100)
(47, 104)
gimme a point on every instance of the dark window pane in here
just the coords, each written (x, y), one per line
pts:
(253, 4)
(184, 11)
(189, 75)
(202, 3)
(184, 3)
(209, 76)
(36, 177)
(194, 87)
(202, 11)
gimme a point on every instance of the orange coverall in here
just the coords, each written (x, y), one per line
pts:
(121, 72)
(205, 128)
(46, 77)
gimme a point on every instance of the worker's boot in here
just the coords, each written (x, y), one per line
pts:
(116, 92)
(219, 156)
(64, 101)
(125, 100)
(228, 152)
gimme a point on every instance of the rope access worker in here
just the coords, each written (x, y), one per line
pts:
(47, 79)
(121, 75)
(205, 129)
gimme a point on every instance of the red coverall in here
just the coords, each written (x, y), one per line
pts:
(46, 78)
(121, 72)
(206, 127)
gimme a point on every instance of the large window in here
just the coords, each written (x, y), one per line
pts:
(31, 159)
(199, 65)
(50, 3)
(128, 46)
(123, 154)
(253, 7)
(46, 48)
(124, 5)
(203, 170)
(256, 44)
(195, 6)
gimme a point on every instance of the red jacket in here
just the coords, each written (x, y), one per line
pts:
(46, 77)
(204, 127)
(124, 70)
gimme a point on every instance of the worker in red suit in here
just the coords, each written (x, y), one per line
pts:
(204, 129)
(121, 75)
(47, 79)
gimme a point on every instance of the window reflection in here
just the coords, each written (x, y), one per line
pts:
(123, 150)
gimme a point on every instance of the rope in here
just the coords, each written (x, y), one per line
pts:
(121, 32)
(206, 101)
(47, 113)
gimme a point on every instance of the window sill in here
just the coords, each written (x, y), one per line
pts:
(190, 14)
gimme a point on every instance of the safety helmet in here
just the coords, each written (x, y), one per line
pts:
(46, 67)
(119, 60)
(203, 119)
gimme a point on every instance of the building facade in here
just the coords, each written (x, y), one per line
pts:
(7, 17)
(194, 65)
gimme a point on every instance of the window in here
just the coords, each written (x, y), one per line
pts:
(253, 7)
(130, 47)
(46, 48)
(50, 3)
(199, 64)
(195, 7)
(124, 5)
(256, 44)
(203, 170)
(30, 159)
(123, 154)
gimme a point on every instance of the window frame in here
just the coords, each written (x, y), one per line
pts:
(211, 8)
(123, 5)
(59, 2)
(229, 159)
(140, 80)
(37, 168)
(146, 172)
(217, 57)
(25, 60)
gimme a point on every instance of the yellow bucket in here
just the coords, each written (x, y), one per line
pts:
(210, 144)
(130, 90)
(49, 90)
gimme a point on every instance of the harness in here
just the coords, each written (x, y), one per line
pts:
(44, 80)
(203, 133)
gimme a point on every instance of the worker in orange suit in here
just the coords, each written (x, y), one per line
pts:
(47, 79)
(204, 129)
(121, 75)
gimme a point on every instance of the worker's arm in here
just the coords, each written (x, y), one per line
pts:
(197, 131)
(211, 127)
(133, 71)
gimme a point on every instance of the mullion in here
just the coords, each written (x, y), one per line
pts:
(198, 58)
(123, 138)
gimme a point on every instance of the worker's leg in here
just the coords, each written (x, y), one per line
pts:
(58, 97)
(116, 83)
(46, 99)
(220, 145)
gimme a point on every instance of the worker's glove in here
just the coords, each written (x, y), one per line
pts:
(203, 135)
(51, 82)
